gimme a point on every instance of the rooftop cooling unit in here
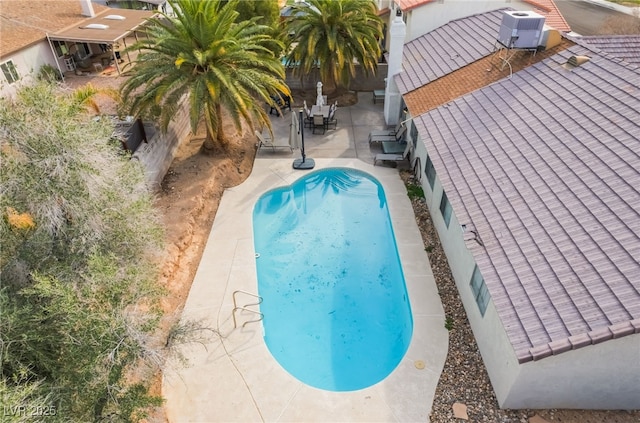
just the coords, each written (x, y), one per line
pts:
(520, 30)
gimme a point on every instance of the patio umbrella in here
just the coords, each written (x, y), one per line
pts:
(294, 132)
(319, 98)
(296, 140)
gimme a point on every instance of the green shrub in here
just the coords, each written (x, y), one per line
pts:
(448, 323)
(414, 191)
(48, 73)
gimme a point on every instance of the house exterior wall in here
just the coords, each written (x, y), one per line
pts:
(431, 15)
(494, 346)
(27, 62)
(602, 376)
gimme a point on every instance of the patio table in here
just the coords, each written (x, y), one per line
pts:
(320, 110)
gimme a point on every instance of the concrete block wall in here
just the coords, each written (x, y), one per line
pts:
(358, 83)
(157, 154)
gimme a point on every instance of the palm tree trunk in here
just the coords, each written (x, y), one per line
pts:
(209, 145)
(215, 143)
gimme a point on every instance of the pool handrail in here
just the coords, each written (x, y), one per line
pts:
(244, 307)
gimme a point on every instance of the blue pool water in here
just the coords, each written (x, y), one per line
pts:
(336, 311)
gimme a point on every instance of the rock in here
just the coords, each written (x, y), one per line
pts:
(460, 411)
(537, 419)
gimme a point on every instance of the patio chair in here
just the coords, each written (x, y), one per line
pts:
(396, 137)
(308, 119)
(393, 147)
(331, 120)
(279, 103)
(266, 140)
(395, 157)
(318, 123)
(385, 132)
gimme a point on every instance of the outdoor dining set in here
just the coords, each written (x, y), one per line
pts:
(320, 117)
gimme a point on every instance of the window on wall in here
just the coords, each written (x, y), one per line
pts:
(10, 72)
(430, 171)
(480, 291)
(445, 209)
(61, 48)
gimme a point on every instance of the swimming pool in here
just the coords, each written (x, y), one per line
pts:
(336, 311)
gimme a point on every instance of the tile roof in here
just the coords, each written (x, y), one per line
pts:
(551, 13)
(478, 74)
(448, 48)
(545, 166)
(625, 47)
(406, 5)
(23, 23)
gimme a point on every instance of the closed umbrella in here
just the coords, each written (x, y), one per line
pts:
(294, 132)
(320, 97)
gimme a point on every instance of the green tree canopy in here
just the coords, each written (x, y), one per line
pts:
(267, 11)
(218, 62)
(335, 35)
(78, 261)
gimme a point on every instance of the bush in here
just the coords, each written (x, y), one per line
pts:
(48, 73)
(78, 264)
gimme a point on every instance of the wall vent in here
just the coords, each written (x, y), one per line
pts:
(575, 61)
(520, 30)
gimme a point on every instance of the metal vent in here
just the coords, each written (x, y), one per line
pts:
(575, 61)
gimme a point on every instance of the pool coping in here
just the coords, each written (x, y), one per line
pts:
(232, 376)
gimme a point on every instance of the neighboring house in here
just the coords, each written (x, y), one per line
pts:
(23, 37)
(423, 16)
(55, 33)
(532, 178)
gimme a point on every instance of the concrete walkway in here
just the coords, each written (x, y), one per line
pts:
(231, 376)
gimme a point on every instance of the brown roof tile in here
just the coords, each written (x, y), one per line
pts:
(23, 23)
(551, 13)
(478, 74)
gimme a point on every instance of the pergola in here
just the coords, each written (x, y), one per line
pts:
(109, 27)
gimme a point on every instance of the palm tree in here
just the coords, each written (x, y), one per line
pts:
(335, 35)
(219, 63)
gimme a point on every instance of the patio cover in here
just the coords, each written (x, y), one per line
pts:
(118, 28)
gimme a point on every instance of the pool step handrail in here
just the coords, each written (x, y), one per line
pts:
(244, 308)
(235, 325)
(235, 303)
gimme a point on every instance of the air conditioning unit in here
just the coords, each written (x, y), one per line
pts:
(520, 29)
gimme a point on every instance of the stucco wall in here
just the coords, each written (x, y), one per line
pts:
(495, 348)
(157, 154)
(27, 62)
(434, 14)
(603, 376)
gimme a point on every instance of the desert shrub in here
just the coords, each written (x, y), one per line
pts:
(78, 265)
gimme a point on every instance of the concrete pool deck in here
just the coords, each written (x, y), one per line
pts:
(232, 377)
